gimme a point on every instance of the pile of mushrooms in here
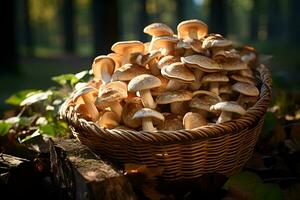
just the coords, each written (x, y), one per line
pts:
(175, 81)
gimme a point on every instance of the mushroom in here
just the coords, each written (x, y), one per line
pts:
(108, 120)
(151, 59)
(110, 96)
(148, 115)
(117, 58)
(227, 108)
(81, 110)
(142, 84)
(215, 41)
(243, 79)
(103, 68)
(128, 72)
(172, 122)
(245, 89)
(86, 94)
(234, 65)
(203, 63)
(176, 100)
(157, 30)
(165, 43)
(194, 29)
(193, 120)
(126, 48)
(132, 105)
(167, 60)
(178, 75)
(214, 79)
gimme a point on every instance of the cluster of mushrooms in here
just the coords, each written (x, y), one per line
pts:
(173, 82)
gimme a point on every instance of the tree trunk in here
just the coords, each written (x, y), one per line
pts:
(28, 30)
(294, 24)
(217, 16)
(105, 25)
(254, 20)
(274, 20)
(9, 58)
(68, 26)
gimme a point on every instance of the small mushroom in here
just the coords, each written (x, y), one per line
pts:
(132, 106)
(126, 48)
(167, 60)
(194, 29)
(103, 68)
(151, 59)
(108, 120)
(193, 120)
(243, 79)
(216, 41)
(128, 72)
(86, 93)
(167, 44)
(148, 115)
(157, 30)
(234, 65)
(110, 96)
(178, 74)
(142, 84)
(176, 100)
(245, 89)
(203, 63)
(172, 122)
(214, 79)
(227, 108)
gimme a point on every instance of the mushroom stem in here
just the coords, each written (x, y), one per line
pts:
(151, 44)
(240, 100)
(91, 107)
(147, 99)
(214, 87)
(197, 84)
(224, 117)
(117, 108)
(105, 76)
(177, 107)
(147, 124)
(126, 58)
(193, 33)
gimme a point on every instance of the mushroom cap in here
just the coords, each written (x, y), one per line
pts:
(163, 41)
(166, 60)
(178, 71)
(184, 27)
(243, 79)
(162, 88)
(147, 112)
(128, 72)
(143, 82)
(229, 106)
(215, 77)
(215, 41)
(109, 120)
(193, 120)
(103, 61)
(158, 29)
(225, 89)
(245, 88)
(154, 54)
(204, 99)
(202, 62)
(83, 91)
(114, 85)
(223, 55)
(132, 106)
(133, 45)
(247, 73)
(172, 122)
(174, 96)
(233, 65)
(110, 93)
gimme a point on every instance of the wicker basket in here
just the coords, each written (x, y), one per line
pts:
(182, 154)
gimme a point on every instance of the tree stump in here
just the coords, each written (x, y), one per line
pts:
(83, 175)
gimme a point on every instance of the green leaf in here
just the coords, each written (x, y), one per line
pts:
(4, 128)
(20, 122)
(34, 134)
(65, 79)
(17, 98)
(268, 191)
(244, 180)
(35, 97)
(48, 129)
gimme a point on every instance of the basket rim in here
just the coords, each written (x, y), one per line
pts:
(249, 120)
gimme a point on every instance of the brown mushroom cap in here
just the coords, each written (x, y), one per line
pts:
(179, 72)
(143, 82)
(193, 120)
(243, 79)
(108, 120)
(108, 95)
(128, 72)
(184, 27)
(202, 62)
(174, 96)
(215, 41)
(132, 46)
(245, 88)
(234, 65)
(158, 29)
(203, 99)
(172, 122)
(165, 42)
(83, 91)
(166, 60)
(103, 67)
(229, 106)
(148, 113)
(215, 77)
(131, 107)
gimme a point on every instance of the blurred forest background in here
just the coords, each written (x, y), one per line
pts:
(44, 38)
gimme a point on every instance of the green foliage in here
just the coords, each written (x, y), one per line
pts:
(70, 79)
(4, 128)
(17, 98)
(249, 182)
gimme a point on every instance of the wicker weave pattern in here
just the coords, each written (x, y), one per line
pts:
(183, 154)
